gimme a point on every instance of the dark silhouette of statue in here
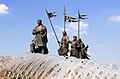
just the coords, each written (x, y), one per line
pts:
(39, 43)
(82, 50)
(74, 47)
(64, 44)
(32, 46)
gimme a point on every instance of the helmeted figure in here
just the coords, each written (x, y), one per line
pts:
(74, 47)
(40, 40)
(32, 46)
(64, 44)
(82, 50)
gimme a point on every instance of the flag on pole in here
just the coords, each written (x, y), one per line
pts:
(50, 14)
(70, 19)
(67, 19)
(81, 16)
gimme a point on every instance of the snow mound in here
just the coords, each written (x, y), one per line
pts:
(5, 61)
(39, 66)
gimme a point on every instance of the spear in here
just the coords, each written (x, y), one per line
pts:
(79, 18)
(50, 15)
(78, 24)
(64, 17)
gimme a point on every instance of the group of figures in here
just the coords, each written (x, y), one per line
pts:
(39, 43)
(77, 50)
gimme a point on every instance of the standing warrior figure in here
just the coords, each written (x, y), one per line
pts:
(63, 50)
(82, 50)
(40, 40)
(74, 47)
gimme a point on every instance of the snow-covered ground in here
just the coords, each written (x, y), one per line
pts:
(38, 66)
(5, 61)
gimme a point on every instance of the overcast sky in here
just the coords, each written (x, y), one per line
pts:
(101, 31)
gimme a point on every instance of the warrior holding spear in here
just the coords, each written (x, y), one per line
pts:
(82, 49)
(64, 43)
(64, 48)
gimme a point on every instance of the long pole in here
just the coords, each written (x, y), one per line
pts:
(64, 18)
(81, 47)
(52, 27)
(78, 24)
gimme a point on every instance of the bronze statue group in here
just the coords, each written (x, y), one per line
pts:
(39, 43)
(77, 50)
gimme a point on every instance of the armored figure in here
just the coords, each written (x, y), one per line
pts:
(82, 50)
(63, 50)
(74, 47)
(32, 46)
(40, 40)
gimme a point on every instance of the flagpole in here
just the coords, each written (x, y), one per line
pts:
(79, 28)
(64, 18)
(79, 33)
(52, 27)
(78, 25)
